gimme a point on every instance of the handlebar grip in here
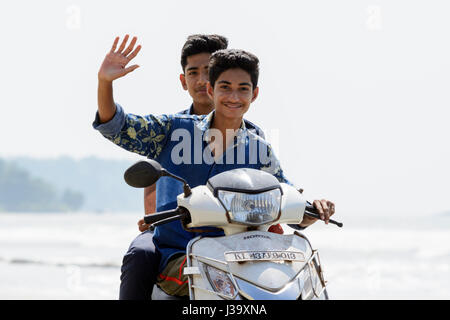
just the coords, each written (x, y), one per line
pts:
(155, 217)
(310, 208)
(163, 221)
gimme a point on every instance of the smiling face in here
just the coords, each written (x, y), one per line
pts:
(195, 78)
(232, 94)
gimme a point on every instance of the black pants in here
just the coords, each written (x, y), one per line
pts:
(139, 268)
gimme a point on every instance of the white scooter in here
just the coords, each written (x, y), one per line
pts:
(248, 262)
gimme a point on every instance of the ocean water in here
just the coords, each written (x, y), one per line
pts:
(78, 256)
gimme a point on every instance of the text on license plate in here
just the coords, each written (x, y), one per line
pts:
(264, 255)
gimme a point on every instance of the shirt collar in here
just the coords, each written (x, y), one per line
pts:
(191, 109)
(205, 124)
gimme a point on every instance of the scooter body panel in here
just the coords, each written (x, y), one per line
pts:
(261, 265)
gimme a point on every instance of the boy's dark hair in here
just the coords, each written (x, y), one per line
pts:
(223, 60)
(202, 43)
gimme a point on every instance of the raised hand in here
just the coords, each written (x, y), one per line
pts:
(115, 63)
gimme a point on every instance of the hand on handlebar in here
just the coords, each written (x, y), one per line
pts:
(325, 209)
(320, 209)
(142, 225)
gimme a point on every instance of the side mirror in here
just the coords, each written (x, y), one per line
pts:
(143, 173)
(146, 172)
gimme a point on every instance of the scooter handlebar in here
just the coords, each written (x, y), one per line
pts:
(165, 215)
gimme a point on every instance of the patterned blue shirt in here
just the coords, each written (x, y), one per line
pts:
(160, 137)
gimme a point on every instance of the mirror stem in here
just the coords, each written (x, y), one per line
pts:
(187, 189)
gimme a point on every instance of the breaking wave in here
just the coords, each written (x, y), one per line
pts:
(86, 264)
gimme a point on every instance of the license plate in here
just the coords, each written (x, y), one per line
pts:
(275, 255)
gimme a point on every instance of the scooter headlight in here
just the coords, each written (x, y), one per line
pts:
(220, 281)
(251, 209)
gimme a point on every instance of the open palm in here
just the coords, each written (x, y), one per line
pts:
(115, 64)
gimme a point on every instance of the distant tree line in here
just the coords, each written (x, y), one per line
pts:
(21, 192)
(89, 184)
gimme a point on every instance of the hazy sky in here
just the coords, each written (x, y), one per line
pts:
(353, 94)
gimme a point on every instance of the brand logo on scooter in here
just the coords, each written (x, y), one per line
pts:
(257, 236)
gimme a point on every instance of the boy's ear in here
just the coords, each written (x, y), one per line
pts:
(255, 93)
(210, 90)
(183, 81)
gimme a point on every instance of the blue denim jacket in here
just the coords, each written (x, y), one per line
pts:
(158, 137)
